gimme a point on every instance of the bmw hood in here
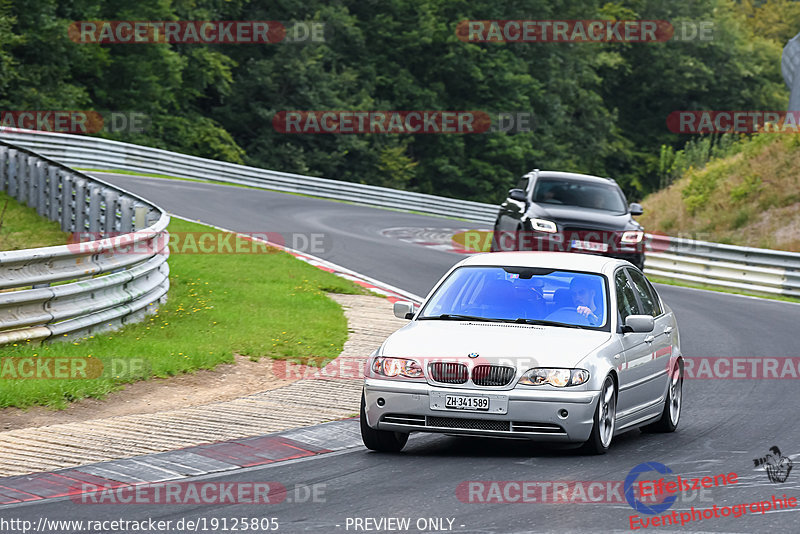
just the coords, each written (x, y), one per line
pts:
(493, 343)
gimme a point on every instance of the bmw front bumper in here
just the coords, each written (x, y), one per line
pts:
(537, 414)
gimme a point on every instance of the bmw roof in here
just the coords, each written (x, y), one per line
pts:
(551, 260)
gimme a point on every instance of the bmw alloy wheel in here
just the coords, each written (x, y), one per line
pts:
(607, 411)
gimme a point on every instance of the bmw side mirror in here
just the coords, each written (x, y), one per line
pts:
(405, 310)
(639, 324)
(517, 194)
(636, 209)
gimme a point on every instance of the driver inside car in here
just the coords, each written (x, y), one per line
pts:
(583, 295)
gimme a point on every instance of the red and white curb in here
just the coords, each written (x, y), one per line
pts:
(181, 464)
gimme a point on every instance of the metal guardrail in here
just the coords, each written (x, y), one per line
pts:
(97, 153)
(79, 288)
(757, 270)
(762, 271)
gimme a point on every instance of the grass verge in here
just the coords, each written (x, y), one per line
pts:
(166, 176)
(22, 227)
(258, 305)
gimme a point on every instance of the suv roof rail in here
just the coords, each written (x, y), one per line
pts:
(613, 181)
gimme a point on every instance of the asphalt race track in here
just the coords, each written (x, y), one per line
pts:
(351, 234)
(725, 423)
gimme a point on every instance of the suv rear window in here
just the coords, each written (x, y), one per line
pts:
(581, 194)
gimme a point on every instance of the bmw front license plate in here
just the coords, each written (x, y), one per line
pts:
(589, 246)
(462, 402)
(446, 401)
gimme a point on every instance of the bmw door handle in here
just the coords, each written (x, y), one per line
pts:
(649, 339)
(668, 330)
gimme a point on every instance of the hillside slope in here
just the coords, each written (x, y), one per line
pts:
(751, 198)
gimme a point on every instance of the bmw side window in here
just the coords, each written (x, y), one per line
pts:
(522, 184)
(656, 298)
(649, 300)
(626, 298)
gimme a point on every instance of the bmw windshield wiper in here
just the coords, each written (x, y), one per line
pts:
(460, 317)
(542, 322)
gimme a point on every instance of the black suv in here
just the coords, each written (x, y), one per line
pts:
(562, 211)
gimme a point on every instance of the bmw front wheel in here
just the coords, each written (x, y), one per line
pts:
(605, 418)
(380, 440)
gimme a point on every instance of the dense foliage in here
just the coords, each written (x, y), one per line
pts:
(599, 108)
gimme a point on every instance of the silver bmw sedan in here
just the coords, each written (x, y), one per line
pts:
(532, 345)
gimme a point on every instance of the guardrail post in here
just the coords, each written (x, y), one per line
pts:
(41, 188)
(24, 182)
(53, 193)
(79, 186)
(66, 205)
(95, 200)
(126, 211)
(140, 217)
(3, 167)
(12, 173)
(33, 182)
(111, 212)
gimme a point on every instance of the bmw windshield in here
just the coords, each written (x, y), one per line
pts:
(522, 295)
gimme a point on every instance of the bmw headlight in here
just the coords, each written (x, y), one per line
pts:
(632, 237)
(543, 225)
(392, 367)
(559, 378)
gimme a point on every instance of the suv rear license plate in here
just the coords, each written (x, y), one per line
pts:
(589, 246)
(461, 402)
